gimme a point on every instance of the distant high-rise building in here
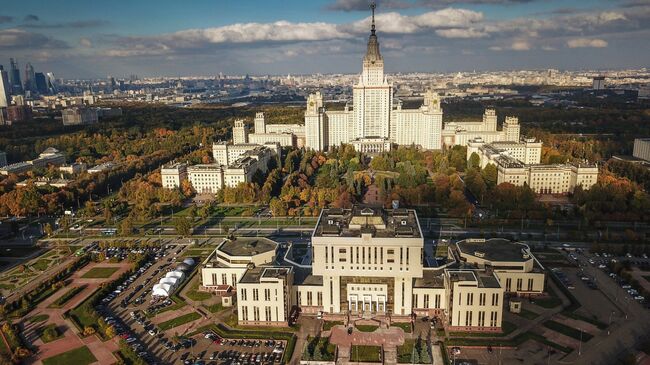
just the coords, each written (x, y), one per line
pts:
(41, 83)
(240, 132)
(374, 122)
(4, 89)
(14, 77)
(51, 83)
(111, 83)
(30, 82)
(598, 83)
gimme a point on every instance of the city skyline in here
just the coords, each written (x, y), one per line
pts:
(322, 36)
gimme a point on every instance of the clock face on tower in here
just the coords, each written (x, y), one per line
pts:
(311, 103)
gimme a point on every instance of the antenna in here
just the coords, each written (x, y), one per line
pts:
(373, 6)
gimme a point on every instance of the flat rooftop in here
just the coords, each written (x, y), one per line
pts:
(481, 278)
(247, 246)
(431, 279)
(255, 275)
(378, 222)
(495, 249)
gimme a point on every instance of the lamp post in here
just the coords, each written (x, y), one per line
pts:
(610, 322)
(580, 344)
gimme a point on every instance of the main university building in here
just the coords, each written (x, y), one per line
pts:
(377, 121)
(372, 263)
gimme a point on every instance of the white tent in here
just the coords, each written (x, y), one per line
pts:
(175, 274)
(170, 281)
(161, 290)
(183, 267)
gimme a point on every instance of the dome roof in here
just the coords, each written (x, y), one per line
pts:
(183, 267)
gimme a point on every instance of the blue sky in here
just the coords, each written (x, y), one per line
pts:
(169, 38)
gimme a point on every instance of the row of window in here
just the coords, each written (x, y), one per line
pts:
(469, 320)
(310, 302)
(481, 299)
(256, 314)
(520, 283)
(256, 296)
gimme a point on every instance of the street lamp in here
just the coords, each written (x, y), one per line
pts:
(580, 344)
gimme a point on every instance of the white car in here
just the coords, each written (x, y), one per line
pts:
(639, 297)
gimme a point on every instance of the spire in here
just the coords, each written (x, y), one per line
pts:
(373, 6)
(372, 53)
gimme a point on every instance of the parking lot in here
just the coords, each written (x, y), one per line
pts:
(212, 349)
(132, 297)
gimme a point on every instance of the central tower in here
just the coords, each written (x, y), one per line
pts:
(372, 95)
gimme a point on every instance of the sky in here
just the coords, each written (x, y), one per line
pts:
(94, 39)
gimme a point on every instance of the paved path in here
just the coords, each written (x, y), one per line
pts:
(388, 338)
(70, 339)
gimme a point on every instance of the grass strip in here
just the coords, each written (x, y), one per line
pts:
(175, 322)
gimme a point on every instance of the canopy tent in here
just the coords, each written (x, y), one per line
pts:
(175, 274)
(161, 290)
(183, 267)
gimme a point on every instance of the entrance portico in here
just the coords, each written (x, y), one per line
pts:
(367, 298)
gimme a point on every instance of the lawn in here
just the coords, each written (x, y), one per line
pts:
(78, 356)
(528, 314)
(551, 301)
(60, 301)
(328, 325)
(215, 308)
(41, 265)
(185, 318)
(404, 326)
(319, 349)
(361, 353)
(38, 318)
(100, 272)
(413, 353)
(568, 331)
(196, 295)
(367, 328)
(84, 314)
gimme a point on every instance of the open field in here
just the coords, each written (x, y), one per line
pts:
(100, 272)
(78, 356)
(189, 317)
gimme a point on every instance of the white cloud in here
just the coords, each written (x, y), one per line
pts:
(586, 43)
(461, 33)
(20, 38)
(85, 42)
(520, 45)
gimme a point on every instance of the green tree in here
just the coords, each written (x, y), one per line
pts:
(47, 229)
(489, 174)
(183, 226)
(126, 226)
(474, 161)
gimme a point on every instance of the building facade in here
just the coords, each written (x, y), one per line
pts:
(240, 132)
(371, 263)
(518, 163)
(234, 164)
(172, 176)
(642, 148)
(528, 151)
(79, 116)
(373, 115)
(461, 133)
